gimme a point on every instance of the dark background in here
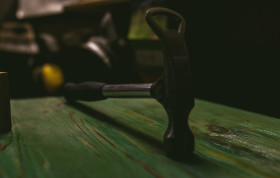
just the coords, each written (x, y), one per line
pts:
(234, 49)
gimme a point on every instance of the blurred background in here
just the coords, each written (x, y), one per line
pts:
(234, 47)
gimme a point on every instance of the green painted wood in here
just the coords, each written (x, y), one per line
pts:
(123, 138)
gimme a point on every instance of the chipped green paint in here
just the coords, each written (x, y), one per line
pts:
(123, 138)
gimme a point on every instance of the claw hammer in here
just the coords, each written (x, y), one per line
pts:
(173, 89)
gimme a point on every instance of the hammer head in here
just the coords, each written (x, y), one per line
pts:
(174, 90)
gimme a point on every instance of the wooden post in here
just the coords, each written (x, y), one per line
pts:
(5, 111)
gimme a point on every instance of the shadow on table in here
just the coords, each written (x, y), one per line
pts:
(194, 159)
(104, 118)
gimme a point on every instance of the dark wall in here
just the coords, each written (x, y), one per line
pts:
(235, 49)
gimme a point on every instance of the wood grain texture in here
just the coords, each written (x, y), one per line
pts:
(123, 138)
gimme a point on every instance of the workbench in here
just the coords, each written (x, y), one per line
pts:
(123, 138)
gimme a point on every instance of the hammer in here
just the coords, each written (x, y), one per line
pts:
(173, 89)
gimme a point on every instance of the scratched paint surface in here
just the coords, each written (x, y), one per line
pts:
(123, 138)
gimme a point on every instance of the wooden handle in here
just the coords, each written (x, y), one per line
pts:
(5, 111)
(87, 91)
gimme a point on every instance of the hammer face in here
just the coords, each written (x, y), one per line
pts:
(178, 139)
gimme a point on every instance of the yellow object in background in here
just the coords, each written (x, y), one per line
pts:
(52, 77)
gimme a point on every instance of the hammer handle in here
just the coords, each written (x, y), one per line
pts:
(127, 90)
(87, 91)
(93, 91)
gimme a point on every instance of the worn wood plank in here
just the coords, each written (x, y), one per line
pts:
(123, 138)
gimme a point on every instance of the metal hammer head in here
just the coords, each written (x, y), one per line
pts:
(174, 90)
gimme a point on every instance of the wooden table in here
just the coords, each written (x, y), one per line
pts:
(123, 138)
